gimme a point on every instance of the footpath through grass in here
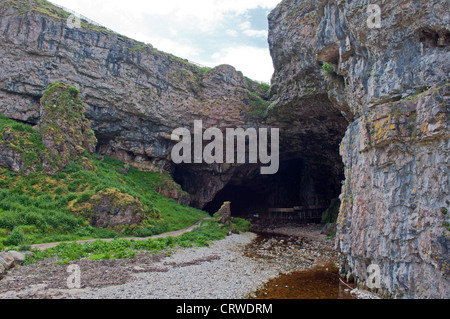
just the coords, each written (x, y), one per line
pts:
(37, 208)
(202, 236)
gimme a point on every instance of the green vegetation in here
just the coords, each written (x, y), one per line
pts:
(414, 97)
(52, 11)
(446, 225)
(332, 212)
(41, 208)
(41, 6)
(38, 208)
(140, 47)
(22, 139)
(66, 132)
(256, 105)
(202, 236)
(328, 69)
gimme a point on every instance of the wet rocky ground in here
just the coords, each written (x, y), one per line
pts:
(242, 266)
(294, 246)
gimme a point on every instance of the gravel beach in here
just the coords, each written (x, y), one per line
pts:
(232, 268)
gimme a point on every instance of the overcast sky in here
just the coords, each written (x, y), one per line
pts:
(209, 32)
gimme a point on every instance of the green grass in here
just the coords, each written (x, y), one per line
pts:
(202, 236)
(22, 139)
(37, 208)
(328, 68)
(37, 205)
(256, 105)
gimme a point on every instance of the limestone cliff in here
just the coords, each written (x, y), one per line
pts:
(391, 84)
(135, 95)
(381, 93)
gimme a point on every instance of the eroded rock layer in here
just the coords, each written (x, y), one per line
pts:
(136, 96)
(390, 81)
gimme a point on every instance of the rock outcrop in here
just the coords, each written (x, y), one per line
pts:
(9, 260)
(312, 127)
(66, 133)
(391, 83)
(135, 95)
(380, 91)
(110, 208)
(63, 135)
(225, 214)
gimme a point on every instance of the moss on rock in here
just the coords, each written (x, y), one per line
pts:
(66, 133)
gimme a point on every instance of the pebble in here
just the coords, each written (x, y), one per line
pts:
(230, 276)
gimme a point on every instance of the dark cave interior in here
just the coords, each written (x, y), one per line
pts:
(297, 184)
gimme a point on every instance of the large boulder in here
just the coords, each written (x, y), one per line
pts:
(111, 208)
(7, 261)
(17, 256)
(225, 214)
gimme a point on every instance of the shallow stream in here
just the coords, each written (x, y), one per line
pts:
(310, 272)
(317, 283)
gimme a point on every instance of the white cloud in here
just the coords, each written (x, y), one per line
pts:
(245, 25)
(246, 28)
(201, 14)
(231, 32)
(256, 33)
(189, 29)
(254, 62)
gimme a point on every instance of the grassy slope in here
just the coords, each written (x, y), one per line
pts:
(36, 208)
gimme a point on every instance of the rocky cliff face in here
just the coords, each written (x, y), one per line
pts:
(381, 93)
(391, 84)
(136, 96)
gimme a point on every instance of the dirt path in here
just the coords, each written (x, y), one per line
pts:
(171, 234)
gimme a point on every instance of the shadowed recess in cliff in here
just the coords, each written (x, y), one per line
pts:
(306, 187)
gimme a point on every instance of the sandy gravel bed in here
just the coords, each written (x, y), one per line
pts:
(228, 269)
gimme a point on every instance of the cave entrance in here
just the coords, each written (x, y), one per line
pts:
(300, 191)
(245, 201)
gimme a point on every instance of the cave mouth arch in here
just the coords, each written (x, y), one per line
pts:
(245, 201)
(309, 188)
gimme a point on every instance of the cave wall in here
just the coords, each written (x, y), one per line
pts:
(391, 85)
(387, 94)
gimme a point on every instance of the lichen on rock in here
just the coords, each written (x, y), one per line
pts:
(391, 85)
(112, 209)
